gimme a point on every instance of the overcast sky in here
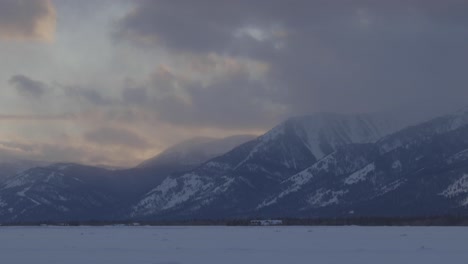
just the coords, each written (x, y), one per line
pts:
(116, 81)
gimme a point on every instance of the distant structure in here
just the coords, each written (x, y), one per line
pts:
(266, 222)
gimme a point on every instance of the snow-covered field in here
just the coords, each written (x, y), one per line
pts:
(239, 245)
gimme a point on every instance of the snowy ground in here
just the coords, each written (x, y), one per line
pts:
(239, 245)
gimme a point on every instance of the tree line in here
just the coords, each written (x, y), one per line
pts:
(357, 221)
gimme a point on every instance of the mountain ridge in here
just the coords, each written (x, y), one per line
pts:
(324, 165)
(284, 150)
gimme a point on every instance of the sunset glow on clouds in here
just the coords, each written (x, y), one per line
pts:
(115, 82)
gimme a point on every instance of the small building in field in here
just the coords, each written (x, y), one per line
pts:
(270, 222)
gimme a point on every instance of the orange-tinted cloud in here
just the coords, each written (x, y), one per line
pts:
(27, 20)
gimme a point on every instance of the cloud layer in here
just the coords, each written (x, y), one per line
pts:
(125, 79)
(323, 56)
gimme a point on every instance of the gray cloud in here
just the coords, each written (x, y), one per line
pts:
(231, 102)
(27, 19)
(28, 87)
(93, 96)
(210, 25)
(109, 136)
(28, 118)
(84, 94)
(346, 56)
(51, 152)
(63, 153)
(137, 95)
(17, 146)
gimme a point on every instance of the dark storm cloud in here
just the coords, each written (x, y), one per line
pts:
(27, 86)
(108, 136)
(203, 26)
(27, 19)
(340, 56)
(208, 25)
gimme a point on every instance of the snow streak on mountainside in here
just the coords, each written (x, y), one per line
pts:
(458, 188)
(323, 133)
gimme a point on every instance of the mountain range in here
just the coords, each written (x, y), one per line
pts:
(321, 165)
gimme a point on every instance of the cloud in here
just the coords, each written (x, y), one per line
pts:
(205, 91)
(218, 67)
(230, 102)
(27, 86)
(14, 146)
(85, 94)
(346, 56)
(135, 95)
(27, 20)
(29, 118)
(207, 26)
(55, 153)
(109, 136)
(67, 148)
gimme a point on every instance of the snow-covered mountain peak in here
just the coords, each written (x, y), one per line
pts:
(321, 133)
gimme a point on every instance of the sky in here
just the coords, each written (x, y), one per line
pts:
(114, 82)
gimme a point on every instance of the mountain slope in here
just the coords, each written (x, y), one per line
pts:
(235, 182)
(10, 167)
(324, 165)
(46, 192)
(416, 171)
(62, 192)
